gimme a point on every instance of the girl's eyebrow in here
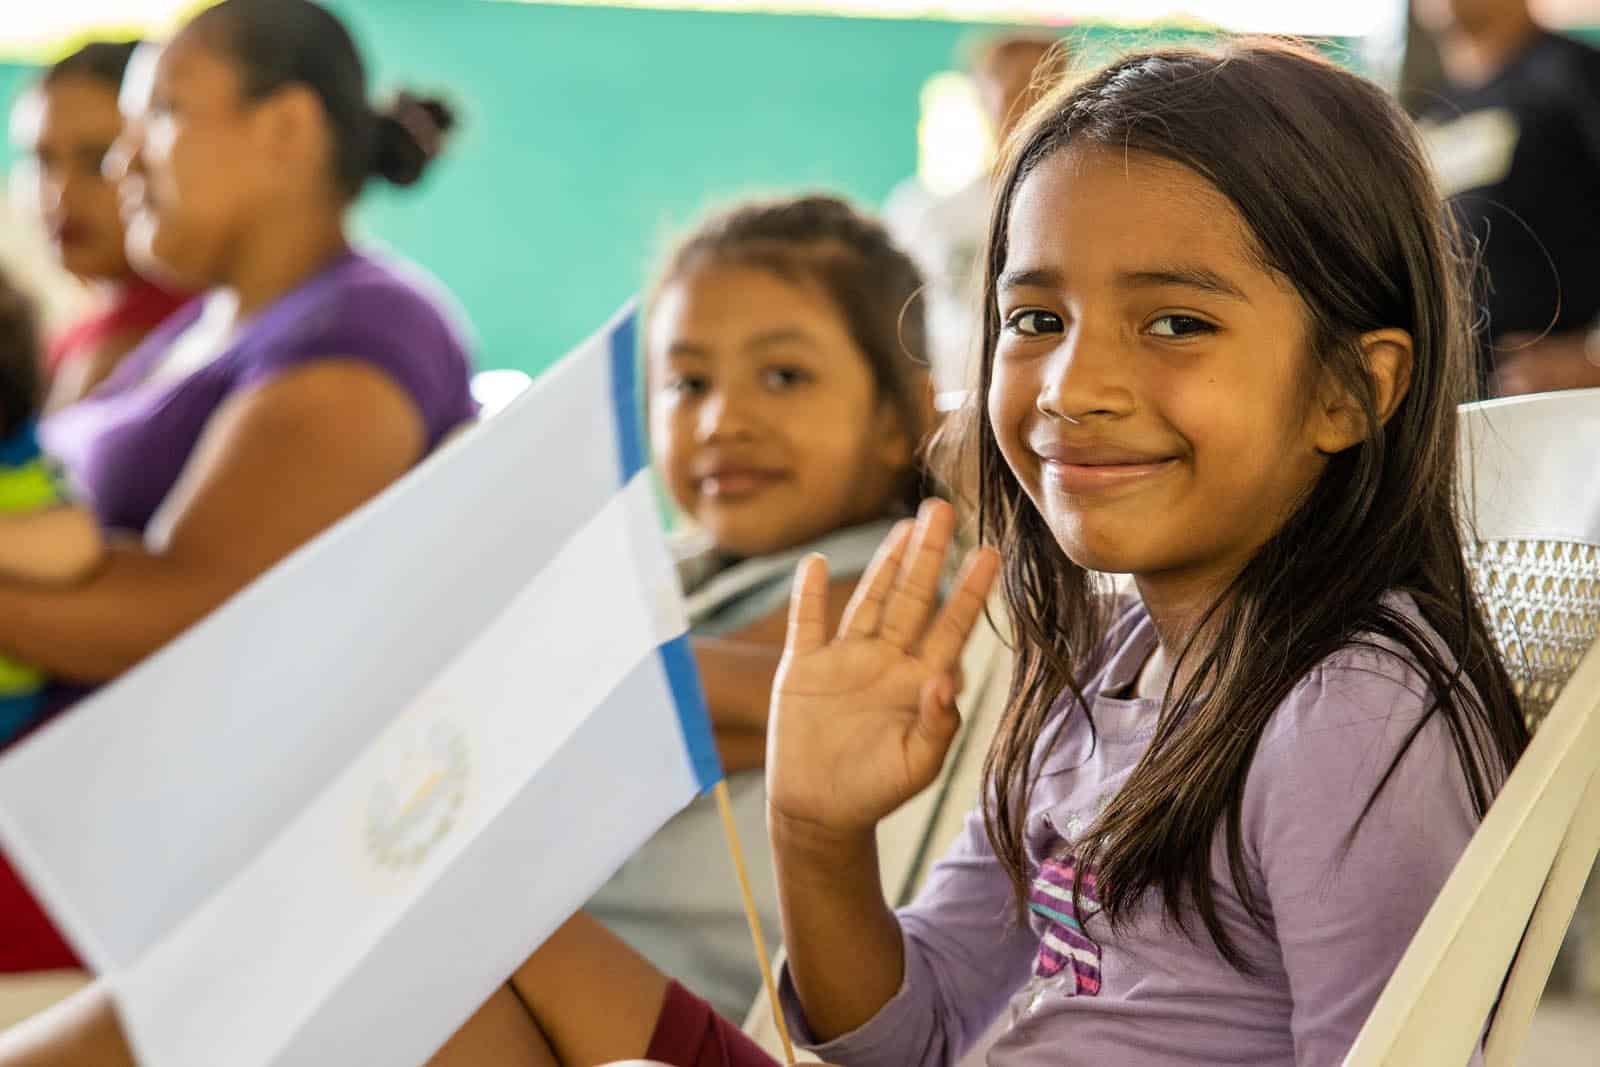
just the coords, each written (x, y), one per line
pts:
(1202, 279)
(781, 336)
(687, 349)
(1199, 278)
(1030, 278)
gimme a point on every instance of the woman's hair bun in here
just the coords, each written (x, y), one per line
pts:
(411, 134)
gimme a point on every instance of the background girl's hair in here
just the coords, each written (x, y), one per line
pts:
(102, 61)
(277, 43)
(19, 358)
(824, 241)
(1334, 189)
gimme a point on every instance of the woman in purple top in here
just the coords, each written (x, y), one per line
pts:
(308, 378)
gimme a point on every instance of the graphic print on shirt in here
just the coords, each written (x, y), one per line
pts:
(1069, 959)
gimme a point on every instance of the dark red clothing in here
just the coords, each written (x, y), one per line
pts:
(689, 1034)
(139, 308)
(29, 941)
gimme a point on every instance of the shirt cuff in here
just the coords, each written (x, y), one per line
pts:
(882, 1040)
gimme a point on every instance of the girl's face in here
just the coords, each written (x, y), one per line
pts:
(193, 163)
(765, 418)
(63, 130)
(1151, 388)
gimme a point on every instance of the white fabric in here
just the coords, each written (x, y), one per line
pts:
(326, 823)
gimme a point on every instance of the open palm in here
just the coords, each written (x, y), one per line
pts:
(861, 723)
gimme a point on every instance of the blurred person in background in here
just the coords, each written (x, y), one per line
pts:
(788, 403)
(1515, 136)
(309, 376)
(943, 234)
(62, 127)
(43, 537)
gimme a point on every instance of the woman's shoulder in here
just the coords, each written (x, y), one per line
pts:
(376, 309)
(376, 292)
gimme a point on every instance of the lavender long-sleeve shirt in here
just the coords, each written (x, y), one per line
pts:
(1069, 991)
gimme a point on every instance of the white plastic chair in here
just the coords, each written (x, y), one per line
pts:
(1530, 468)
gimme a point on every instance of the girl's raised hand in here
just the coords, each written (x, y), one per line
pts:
(861, 722)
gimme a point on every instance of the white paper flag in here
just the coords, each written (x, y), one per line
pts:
(322, 826)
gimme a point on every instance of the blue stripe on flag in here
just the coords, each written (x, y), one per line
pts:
(625, 396)
(683, 677)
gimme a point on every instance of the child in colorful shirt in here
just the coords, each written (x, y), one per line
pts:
(43, 538)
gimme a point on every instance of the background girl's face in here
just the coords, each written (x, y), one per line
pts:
(63, 129)
(192, 163)
(1151, 389)
(765, 418)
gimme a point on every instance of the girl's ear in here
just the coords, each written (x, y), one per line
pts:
(1387, 356)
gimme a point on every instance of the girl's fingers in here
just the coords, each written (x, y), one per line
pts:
(808, 606)
(906, 611)
(949, 632)
(865, 610)
(935, 727)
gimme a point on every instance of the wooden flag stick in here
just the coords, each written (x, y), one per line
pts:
(731, 832)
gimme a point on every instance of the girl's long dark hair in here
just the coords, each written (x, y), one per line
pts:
(1331, 181)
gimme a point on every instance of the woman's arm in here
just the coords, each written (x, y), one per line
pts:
(276, 465)
(57, 545)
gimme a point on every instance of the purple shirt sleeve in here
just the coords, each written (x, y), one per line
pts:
(966, 954)
(1345, 908)
(390, 326)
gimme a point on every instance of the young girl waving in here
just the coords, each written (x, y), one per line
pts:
(1226, 338)
(1225, 344)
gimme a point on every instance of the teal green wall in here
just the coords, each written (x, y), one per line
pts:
(591, 133)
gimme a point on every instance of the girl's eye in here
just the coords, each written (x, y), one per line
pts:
(1180, 326)
(781, 378)
(688, 385)
(1033, 322)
